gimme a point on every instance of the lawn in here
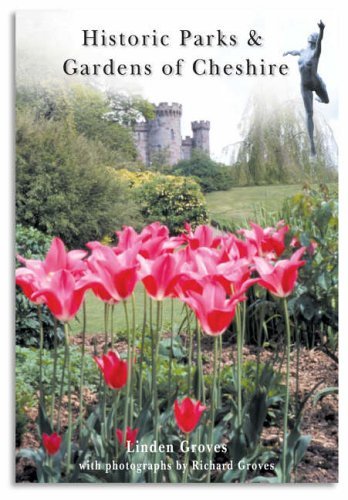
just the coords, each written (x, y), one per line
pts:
(241, 202)
(95, 314)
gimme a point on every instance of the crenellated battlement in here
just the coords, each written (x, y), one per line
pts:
(187, 140)
(201, 124)
(166, 109)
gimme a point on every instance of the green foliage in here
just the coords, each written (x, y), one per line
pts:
(314, 221)
(27, 369)
(312, 215)
(90, 110)
(210, 175)
(127, 110)
(173, 201)
(63, 187)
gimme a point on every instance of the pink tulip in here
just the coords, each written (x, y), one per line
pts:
(112, 277)
(214, 311)
(37, 274)
(160, 276)
(57, 259)
(269, 242)
(202, 236)
(280, 279)
(63, 295)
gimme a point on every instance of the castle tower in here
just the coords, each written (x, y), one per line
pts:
(141, 136)
(164, 133)
(200, 140)
(186, 148)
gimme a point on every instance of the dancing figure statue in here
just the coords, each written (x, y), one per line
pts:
(310, 80)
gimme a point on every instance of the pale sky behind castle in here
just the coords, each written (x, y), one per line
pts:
(50, 37)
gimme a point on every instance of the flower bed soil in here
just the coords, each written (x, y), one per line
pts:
(320, 463)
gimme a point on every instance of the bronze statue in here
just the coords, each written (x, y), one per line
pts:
(310, 80)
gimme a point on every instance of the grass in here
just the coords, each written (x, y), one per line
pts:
(95, 314)
(241, 202)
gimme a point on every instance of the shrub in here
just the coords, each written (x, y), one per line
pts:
(210, 175)
(168, 199)
(63, 187)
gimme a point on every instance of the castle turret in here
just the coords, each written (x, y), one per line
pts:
(141, 136)
(186, 148)
(164, 133)
(200, 140)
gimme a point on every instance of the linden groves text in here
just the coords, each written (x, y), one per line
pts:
(177, 465)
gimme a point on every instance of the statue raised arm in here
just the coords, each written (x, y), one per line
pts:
(310, 80)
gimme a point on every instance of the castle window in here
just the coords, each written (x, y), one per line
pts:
(172, 134)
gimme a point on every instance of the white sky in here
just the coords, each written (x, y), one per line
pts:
(50, 37)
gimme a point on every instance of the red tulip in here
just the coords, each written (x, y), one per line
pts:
(114, 370)
(280, 279)
(160, 276)
(51, 443)
(187, 414)
(214, 311)
(131, 436)
(63, 295)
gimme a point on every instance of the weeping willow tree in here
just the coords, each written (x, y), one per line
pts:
(275, 146)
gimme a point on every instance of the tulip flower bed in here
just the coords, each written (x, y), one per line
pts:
(202, 427)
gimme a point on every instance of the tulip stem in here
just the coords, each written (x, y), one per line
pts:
(187, 456)
(54, 375)
(212, 406)
(218, 385)
(41, 396)
(68, 367)
(287, 393)
(116, 402)
(154, 384)
(142, 352)
(189, 366)
(125, 422)
(106, 314)
(239, 364)
(66, 351)
(82, 372)
(171, 349)
(112, 340)
(132, 363)
(201, 391)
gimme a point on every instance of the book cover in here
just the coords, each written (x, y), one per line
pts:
(176, 246)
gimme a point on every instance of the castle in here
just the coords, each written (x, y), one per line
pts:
(161, 137)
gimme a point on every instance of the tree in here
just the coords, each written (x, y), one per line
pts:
(63, 187)
(275, 147)
(210, 175)
(127, 110)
